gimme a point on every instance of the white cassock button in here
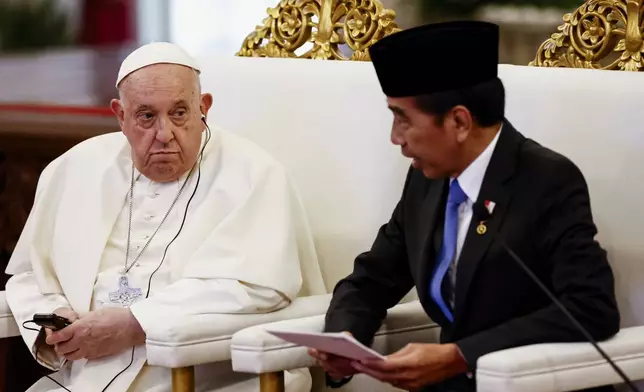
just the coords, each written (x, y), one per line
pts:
(148, 217)
(155, 194)
(146, 237)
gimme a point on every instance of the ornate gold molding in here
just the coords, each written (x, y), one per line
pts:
(327, 24)
(600, 34)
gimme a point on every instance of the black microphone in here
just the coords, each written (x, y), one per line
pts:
(483, 214)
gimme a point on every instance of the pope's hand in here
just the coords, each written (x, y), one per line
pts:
(336, 367)
(97, 334)
(67, 313)
(417, 365)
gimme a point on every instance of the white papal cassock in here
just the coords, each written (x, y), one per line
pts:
(245, 223)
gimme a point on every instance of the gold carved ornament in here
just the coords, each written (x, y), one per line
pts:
(327, 24)
(600, 34)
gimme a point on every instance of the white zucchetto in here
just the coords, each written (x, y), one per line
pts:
(155, 53)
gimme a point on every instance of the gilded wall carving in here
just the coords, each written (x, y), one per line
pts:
(328, 25)
(600, 34)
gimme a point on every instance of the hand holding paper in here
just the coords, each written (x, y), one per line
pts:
(340, 344)
(416, 365)
(335, 352)
(413, 367)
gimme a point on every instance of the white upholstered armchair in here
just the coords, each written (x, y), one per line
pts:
(328, 122)
(353, 180)
(588, 115)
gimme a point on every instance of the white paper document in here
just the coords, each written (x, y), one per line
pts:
(340, 344)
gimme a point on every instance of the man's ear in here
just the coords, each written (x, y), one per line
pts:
(119, 112)
(205, 104)
(462, 122)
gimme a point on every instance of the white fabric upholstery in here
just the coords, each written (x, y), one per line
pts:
(591, 117)
(327, 122)
(561, 367)
(8, 326)
(206, 338)
(256, 351)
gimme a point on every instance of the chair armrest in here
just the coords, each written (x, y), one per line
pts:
(8, 326)
(206, 338)
(254, 350)
(562, 366)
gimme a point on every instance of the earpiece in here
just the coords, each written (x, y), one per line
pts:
(203, 118)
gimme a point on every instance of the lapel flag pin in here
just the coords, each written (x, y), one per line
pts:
(489, 204)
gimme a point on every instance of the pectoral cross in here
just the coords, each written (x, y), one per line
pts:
(125, 295)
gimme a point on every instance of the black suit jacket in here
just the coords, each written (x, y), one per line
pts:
(542, 211)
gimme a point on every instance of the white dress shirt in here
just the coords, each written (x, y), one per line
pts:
(470, 181)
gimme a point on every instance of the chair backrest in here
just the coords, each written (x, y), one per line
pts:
(328, 123)
(591, 116)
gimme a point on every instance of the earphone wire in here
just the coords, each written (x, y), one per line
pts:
(36, 354)
(185, 214)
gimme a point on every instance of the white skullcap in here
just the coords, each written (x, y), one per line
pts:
(155, 53)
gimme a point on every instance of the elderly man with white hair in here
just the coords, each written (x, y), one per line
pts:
(165, 219)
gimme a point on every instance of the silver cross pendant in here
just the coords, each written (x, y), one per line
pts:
(125, 295)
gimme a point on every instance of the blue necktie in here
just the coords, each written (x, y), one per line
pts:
(448, 250)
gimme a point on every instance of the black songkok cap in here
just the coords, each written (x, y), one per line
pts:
(436, 57)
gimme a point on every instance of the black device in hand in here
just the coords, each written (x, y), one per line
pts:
(51, 321)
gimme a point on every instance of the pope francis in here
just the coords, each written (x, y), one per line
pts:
(165, 219)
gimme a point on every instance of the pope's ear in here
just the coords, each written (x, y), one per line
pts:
(205, 104)
(117, 109)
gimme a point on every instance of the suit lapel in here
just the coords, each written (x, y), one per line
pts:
(430, 211)
(495, 188)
